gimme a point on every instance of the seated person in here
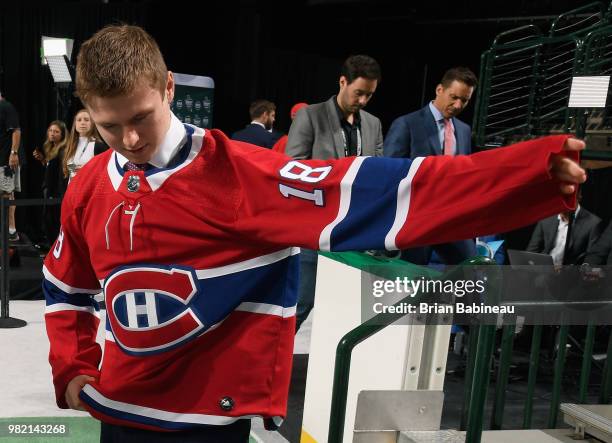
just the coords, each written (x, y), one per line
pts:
(550, 234)
(600, 253)
(549, 237)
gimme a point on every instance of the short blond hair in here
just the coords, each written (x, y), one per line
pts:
(115, 60)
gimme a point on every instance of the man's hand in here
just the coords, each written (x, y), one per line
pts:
(13, 161)
(73, 389)
(566, 170)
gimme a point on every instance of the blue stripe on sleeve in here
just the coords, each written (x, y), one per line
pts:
(373, 205)
(54, 295)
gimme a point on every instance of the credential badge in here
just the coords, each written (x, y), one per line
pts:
(133, 183)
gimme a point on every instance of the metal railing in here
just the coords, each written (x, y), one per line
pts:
(509, 75)
(526, 79)
(481, 349)
(369, 328)
(505, 360)
(596, 56)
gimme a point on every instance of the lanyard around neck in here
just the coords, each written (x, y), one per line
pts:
(346, 146)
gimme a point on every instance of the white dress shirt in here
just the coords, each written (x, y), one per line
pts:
(558, 251)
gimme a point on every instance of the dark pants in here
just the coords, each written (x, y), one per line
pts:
(51, 221)
(308, 283)
(237, 432)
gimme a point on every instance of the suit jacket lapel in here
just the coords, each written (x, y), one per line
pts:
(431, 129)
(462, 144)
(334, 124)
(367, 133)
(551, 235)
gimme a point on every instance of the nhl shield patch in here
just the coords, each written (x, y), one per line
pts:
(133, 183)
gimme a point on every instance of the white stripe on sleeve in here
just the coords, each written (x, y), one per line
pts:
(346, 186)
(403, 204)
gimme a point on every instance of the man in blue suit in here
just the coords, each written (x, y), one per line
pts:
(436, 130)
(258, 132)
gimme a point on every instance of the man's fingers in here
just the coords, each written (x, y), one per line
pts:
(73, 401)
(77, 406)
(573, 144)
(86, 379)
(568, 189)
(570, 171)
(567, 170)
(73, 390)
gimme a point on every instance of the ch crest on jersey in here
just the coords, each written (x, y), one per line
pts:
(149, 308)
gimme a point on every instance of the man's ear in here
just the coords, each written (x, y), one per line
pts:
(170, 87)
(439, 89)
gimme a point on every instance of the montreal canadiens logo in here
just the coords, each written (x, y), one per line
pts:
(149, 308)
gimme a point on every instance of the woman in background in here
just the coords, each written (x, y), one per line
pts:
(54, 183)
(83, 143)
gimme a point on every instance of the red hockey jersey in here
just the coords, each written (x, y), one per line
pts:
(198, 263)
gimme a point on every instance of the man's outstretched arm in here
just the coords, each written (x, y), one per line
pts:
(383, 203)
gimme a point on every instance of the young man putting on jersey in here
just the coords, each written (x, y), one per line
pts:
(192, 237)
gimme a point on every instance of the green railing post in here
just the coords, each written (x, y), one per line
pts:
(580, 115)
(480, 382)
(558, 377)
(587, 356)
(469, 374)
(606, 383)
(533, 91)
(480, 111)
(505, 359)
(534, 360)
(341, 379)
(486, 93)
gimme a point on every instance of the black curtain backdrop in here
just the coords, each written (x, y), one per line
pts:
(285, 52)
(222, 42)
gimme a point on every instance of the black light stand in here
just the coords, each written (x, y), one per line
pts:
(62, 73)
(6, 321)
